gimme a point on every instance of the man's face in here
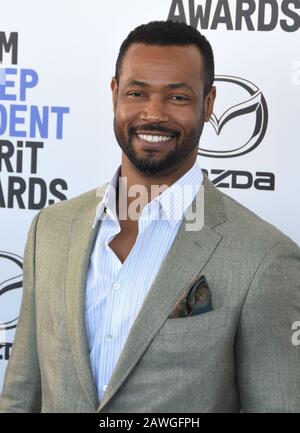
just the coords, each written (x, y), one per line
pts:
(159, 106)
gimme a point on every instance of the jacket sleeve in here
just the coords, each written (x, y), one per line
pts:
(267, 352)
(22, 386)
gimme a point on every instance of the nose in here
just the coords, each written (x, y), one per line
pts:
(154, 111)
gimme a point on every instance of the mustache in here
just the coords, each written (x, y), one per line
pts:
(153, 127)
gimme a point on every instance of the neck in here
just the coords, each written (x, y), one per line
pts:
(135, 177)
(136, 183)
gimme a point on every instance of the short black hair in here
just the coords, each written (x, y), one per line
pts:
(166, 33)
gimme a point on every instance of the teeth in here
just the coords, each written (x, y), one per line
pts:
(154, 138)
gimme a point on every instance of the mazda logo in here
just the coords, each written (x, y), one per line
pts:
(248, 118)
(11, 283)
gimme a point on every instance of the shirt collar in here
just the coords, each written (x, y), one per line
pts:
(108, 202)
(173, 201)
(177, 198)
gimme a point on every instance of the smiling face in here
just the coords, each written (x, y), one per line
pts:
(159, 107)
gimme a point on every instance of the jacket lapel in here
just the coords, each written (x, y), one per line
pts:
(187, 256)
(81, 243)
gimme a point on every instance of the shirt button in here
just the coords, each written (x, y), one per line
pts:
(109, 337)
(104, 387)
(116, 286)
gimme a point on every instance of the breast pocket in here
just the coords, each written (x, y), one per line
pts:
(217, 318)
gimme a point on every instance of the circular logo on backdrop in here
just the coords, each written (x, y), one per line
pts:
(11, 283)
(239, 121)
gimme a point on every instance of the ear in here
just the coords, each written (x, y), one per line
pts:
(114, 90)
(209, 103)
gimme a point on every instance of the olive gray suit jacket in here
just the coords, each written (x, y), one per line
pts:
(238, 357)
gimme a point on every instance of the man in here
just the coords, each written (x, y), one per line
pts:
(107, 323)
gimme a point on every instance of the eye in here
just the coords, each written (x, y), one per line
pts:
(135, 94)
(179, 98)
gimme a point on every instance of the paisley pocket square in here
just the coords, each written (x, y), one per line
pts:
(196, 301)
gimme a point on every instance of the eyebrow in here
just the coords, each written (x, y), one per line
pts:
(170, 86)
(180, 85)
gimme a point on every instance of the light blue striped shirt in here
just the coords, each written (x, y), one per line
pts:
(115, 292)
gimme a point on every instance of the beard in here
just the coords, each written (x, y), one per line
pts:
(152, 165)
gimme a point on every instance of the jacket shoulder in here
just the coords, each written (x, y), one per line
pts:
(62, 213)
(250, 227)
